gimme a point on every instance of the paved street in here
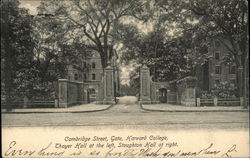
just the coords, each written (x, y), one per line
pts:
(128, 114)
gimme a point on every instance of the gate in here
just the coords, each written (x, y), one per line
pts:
(163, 95)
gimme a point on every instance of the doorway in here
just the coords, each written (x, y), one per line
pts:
(163, 95)
(91, 95)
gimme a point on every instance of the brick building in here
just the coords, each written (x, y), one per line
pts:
(88, 69)
(216, 70)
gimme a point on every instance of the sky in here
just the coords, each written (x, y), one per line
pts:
(31, 5)
(124, 74)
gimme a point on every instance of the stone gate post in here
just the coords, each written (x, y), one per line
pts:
(109, 97)
(63, 93)
(145, 85)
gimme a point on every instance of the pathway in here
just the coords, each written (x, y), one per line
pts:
(126, 104)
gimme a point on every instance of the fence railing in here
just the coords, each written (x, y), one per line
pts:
(205, 102)
(171, 101)
(221, 101)
(31, 104)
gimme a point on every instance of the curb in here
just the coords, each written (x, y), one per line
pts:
(154, 110)
(44, 112)
(128, 124)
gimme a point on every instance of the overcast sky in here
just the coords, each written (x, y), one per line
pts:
(31, 5)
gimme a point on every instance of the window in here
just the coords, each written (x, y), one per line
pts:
(232, 69)
(217, 82)
(233, 82)
(85, 77)
(93, 76)
(92, 91)
(217, 69)
(217, 55)
(76, 76)
(84, 64)
(93, 65)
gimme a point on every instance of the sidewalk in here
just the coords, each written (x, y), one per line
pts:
(73, 109)
(182, 108)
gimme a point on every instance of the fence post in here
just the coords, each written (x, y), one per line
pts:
(241, 101)
(56, 103)
(25, 102)
(198, 101)
(215, 101)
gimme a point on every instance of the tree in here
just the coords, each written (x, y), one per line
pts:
(15, 52)
(206, 20)
(134, 82)
(167, 49)
(95, 20)
(128, 90)
(54, 47)
(164, 57)
(228, 19)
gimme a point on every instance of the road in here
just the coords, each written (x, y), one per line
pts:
(128, 114)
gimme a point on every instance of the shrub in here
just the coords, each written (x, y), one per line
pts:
(222, 90)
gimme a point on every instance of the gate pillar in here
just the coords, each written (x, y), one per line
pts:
(63, 93)
(145, 88)
(109, 97)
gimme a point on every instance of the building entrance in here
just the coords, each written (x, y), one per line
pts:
(163, 95)
(91, 93)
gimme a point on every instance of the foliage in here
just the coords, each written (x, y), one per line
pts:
(16, 30)
(135, 80)
(188, 81)
(127, 90)
(28, 83)
(16, 44)
(53, 52)
(168, 50)
(196, 23)
(93, 21)
(222, 90)
(31, 59)
(165, 58)
(227, 19)
(35, 50)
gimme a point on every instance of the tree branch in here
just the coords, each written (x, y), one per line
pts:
(102, 30)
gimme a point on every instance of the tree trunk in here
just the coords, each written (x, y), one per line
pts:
(240, 70)
(8, 64)
(104, 63)
(240, 80)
